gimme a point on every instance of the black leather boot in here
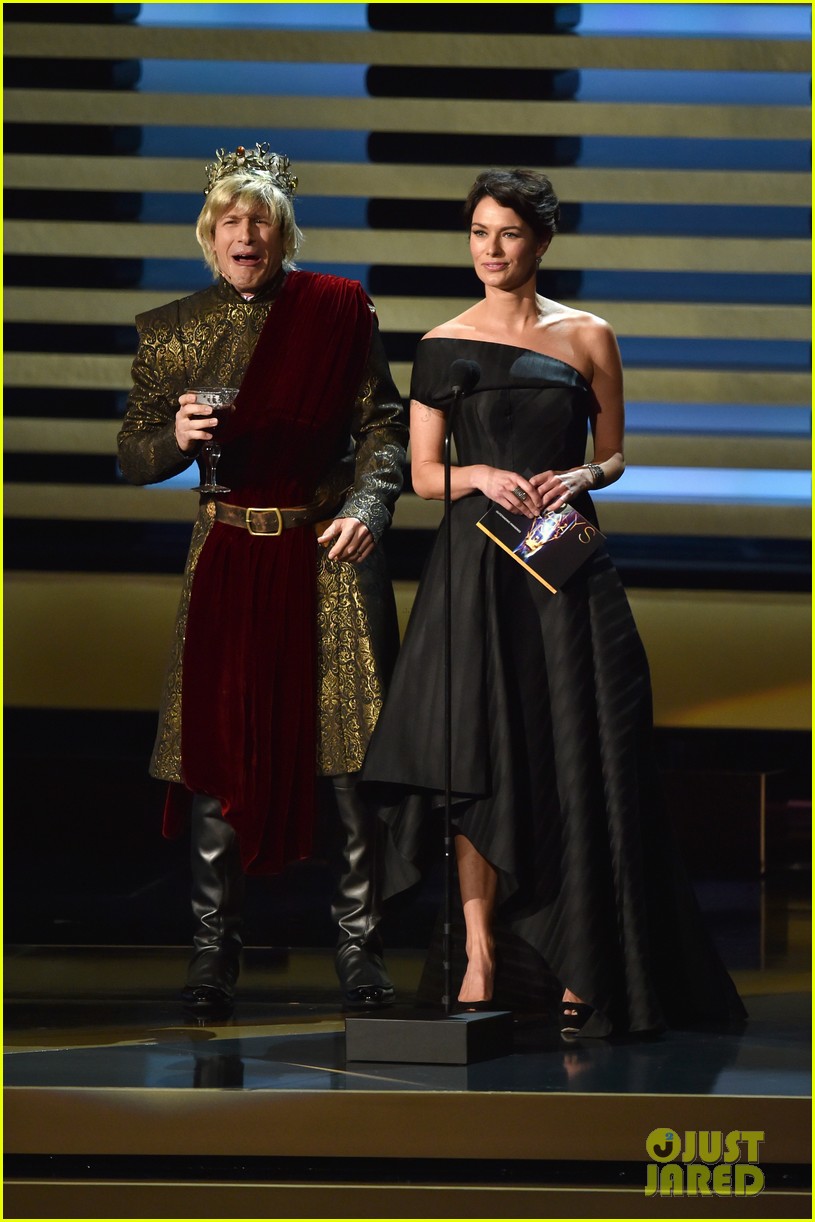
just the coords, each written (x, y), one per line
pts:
(356, 907)
(217, 902)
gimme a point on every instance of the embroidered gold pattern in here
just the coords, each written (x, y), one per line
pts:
(350, 690)
(166, 760)
(209, 339)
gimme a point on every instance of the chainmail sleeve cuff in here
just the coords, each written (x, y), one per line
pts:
(380, 435)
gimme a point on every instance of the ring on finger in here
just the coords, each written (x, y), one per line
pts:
(519, 492)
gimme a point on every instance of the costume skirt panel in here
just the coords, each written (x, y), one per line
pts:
(270, 736)
(357, 642)
(248, 733)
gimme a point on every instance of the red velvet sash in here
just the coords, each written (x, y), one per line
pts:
(248, 728)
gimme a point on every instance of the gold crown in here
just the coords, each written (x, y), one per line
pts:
(252, 161)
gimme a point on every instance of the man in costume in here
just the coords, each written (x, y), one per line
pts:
(286, 627)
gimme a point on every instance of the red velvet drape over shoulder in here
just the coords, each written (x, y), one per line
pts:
(249, 673)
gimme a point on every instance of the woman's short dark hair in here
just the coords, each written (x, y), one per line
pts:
(527, 192)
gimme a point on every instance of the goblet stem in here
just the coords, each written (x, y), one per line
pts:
(212, 453)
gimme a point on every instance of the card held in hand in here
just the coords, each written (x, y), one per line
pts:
(551, 547)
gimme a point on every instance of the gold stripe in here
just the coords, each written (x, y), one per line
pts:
(304, 1199)
(726, 658)
(89, 41)
(717, 386)
(64, 370)
(651, 318)
(103, 619)
(75, 666)
(419, 314)
(655, 518)
(417, 1123)
(716, 450)
(122, 503)
(409, 114)
(404, 247)
(116, 503)
(30, 435)
(752, 642)
(416, 181)
(693, 386)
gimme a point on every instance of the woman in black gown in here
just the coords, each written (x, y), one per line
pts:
(559, 834)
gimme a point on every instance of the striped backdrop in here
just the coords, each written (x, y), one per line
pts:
(679, 148)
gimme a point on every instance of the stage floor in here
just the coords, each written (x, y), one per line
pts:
(117, 1108)
(109, 1017)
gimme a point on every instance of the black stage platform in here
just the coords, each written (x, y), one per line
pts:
(115, 1108)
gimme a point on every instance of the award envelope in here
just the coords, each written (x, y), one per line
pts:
(551, 547)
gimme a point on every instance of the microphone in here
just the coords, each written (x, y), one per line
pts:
(465, 376)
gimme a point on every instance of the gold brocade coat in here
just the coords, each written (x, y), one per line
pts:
(208, 339)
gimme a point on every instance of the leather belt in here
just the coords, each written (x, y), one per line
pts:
(273, 521)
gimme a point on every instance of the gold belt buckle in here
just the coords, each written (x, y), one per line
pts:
(270, 534)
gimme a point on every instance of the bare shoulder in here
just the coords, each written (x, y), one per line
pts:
(460, 327)
(587, 334)
(578, 321)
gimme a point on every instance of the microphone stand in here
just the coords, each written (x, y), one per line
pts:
(451, 1039)
(449, 847)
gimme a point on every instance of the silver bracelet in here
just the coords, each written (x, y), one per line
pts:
(598, 474)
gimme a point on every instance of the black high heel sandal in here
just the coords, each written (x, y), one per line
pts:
(573, 1016)
(484, 1005)
(478, 1007)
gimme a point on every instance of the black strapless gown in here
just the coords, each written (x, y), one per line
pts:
(553, 774)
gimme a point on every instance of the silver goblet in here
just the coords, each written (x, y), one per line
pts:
(220, 402)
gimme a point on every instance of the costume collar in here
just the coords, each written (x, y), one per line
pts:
(267, 292)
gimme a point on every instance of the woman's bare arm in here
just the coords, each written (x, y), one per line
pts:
(601, 358)
(427, 427)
